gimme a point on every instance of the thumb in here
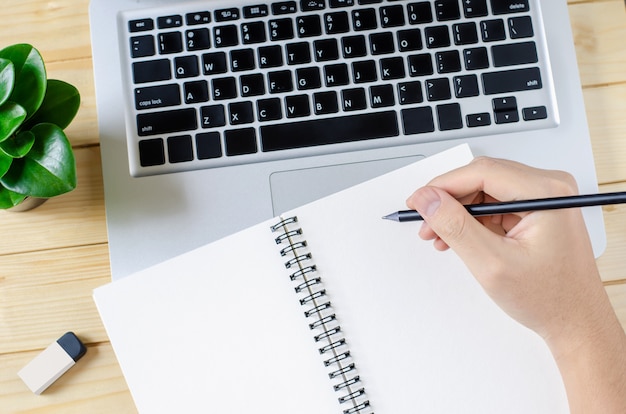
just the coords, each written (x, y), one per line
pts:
(452, 223)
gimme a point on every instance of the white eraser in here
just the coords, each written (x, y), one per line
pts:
(53, 362)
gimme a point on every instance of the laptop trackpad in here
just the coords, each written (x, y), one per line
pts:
(294, 188)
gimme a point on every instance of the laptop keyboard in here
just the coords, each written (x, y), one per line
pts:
(217, 83)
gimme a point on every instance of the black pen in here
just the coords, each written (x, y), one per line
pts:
(508, 207)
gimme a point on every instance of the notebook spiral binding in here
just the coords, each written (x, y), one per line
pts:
(327, 332)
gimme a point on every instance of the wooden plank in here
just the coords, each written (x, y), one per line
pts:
(58, 29)
(599, 29)
(95, 385)
(72, 219)
(605, 108)
(47, 293)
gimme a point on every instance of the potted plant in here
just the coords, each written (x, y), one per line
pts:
(36, 158)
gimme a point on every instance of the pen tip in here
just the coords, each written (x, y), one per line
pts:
(392, 216)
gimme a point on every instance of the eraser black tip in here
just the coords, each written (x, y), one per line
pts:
(72, 345)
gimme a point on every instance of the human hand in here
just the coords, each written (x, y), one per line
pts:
(537, 266)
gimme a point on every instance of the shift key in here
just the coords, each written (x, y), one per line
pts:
(155, 123)
(516, 80)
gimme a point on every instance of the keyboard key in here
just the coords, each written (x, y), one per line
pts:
(240, 142)
(157, 96)
(448, 61)
(208, 145)
(212, 116)
(337, 22)
(180, 149)
(259, 10)
(297, 106)
(142, 46)
(242, 59)
(392, 16)
(156, 123)
(224, 88)
(476, 58)
(353, 46)
(240, 113)
(152, 71)
(418, 120)
(447, 10)
(171, 42)
(364, 19)
(478, 120)
(353, 99)
(253, 32)
(420, 12)
(409, 40)
(381, 43)
(465, 33)
(308, 26)
(325, 103)
(167, 22)
(492, 30)
(186, 66)
(449, 117)
(364, 71)
(280, 81)
(504, 104)
(225, 36)
(381, 96)
(534, 113)
(506, 117)
(151, 152)
(437, 36)
(270, 56)
(284, 7)
(340, 3)
(514, 54)
(198, 39)
(225, 15)
(329, 131)
(336, 75)
(141, 25)
(252, 85)
(474, 8)
(509, 6)
(312, 5)
(516, 80)
(438, 89)
(214, 63)
(465, 86)
(410, 92)
(325, 50)
(308, 78)
(520, 27)
(269, 109)
(202, 17)
(392, 68)
(195, 92)
(298, 53)
(421, 65)
(281, 29)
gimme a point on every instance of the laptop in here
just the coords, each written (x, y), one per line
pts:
(216, 115)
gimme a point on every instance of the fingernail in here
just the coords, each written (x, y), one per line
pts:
(427, 202)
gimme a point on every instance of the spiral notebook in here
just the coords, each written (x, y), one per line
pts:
(326, 309)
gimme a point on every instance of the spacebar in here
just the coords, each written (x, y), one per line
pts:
(329, 131)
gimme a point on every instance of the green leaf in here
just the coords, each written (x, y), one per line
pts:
(30, 76)
(9, 199)
(49, 169)
(17, 146)
(59, 105)
(11, 117)
(5, 162)
(7, 79)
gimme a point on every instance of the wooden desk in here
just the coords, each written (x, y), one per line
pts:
(51, 258)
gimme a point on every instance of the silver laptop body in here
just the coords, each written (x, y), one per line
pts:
(159, 206)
